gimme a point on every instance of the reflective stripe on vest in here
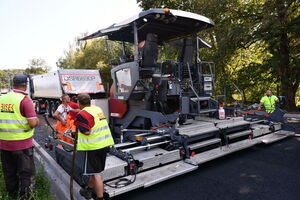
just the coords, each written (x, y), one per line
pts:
(14, 130)
(100, 136)
(9, 121)
(95, 139)
(13, 126)
(99, 129)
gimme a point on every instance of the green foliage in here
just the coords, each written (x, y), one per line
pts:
(94, 54)
(37, 66)
(255, 43)
(41, 191)
(7, 76)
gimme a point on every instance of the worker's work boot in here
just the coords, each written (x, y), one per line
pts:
(86, 192)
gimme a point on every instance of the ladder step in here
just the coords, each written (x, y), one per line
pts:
(204, 143)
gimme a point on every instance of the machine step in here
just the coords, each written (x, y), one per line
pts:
(278, 135)
(222, 151)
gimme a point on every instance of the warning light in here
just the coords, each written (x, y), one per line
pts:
(193, 154)
(166, 10)
(138, 138)
(132, 166)
(182, 152)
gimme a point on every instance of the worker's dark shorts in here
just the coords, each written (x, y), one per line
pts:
(95, 161)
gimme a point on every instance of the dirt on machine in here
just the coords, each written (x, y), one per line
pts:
(164, 113)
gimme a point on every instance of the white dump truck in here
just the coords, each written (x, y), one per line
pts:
(46, 89)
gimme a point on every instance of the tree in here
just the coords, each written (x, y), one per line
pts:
(7, 77)
(94, 54)
(37, 66)
(267, 30)
(280, 29)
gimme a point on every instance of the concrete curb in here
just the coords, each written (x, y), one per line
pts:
(60, 180)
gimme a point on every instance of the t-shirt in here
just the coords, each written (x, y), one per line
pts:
(27, 110)
(63, 111)
(84, 121)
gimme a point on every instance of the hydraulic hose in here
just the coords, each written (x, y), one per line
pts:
(73, 168)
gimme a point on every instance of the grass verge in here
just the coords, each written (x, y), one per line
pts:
(41, 189)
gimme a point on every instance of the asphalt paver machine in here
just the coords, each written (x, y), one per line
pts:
(162, 113)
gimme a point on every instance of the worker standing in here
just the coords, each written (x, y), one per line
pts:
(269, 101)
(63, 118)
(94, 137)
(17, 122)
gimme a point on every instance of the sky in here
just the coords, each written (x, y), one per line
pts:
(45, 28)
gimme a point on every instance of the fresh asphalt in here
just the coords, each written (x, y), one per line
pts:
(263, 172)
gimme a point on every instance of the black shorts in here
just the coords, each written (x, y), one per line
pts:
(95, 161)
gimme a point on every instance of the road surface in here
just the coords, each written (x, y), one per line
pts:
(263, 172)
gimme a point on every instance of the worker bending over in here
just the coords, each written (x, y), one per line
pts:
(17, 122)
(64, 122)
(269, 101)
(94, 137)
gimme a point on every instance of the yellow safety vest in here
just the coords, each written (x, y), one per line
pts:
(13, 126)
(100, 136)
(269, 103)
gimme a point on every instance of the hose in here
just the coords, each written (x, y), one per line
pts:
(73, 168)
(123, 182)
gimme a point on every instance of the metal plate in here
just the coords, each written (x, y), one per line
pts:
(197, 128)
(151, 177)
(274, 137)
(114, 167)
(219, 152)
(260, 129)
(230, 123)
(156, 157)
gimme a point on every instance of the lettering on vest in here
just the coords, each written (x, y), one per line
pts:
(7, 108)
(101, 116)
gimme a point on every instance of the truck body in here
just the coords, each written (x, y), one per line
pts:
(46, 89)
